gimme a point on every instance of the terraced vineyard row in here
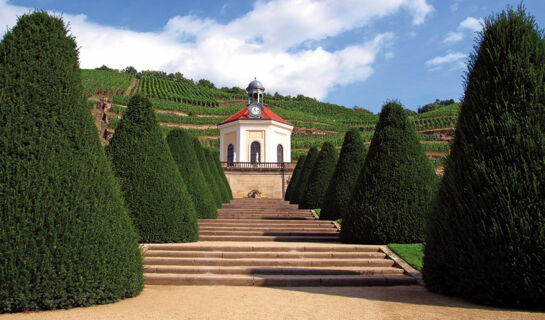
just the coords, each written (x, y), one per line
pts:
(181, 91)
(105, 82)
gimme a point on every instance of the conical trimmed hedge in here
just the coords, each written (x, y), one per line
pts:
(312, 155)
(395, 188)
(154, 190)
(216, 156)
(216, 175)
(181, 147)
(319, 177)
(485, 239)
(295, 177)
(339, 191)
(205, 168)
(66, 239)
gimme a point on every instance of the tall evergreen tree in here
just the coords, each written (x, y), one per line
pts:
(216, 175)
(395, 188)
(66, 238)
(485, 237)
(312, 155)
(341, 185)
(319, 177)
(155, 192)
(216, 156)
(205, 168)
(181, 147)
(295, 177)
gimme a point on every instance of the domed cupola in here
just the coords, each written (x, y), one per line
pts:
(255, 92)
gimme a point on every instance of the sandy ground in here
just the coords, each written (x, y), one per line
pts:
(222, 302)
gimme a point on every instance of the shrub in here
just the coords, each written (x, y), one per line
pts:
(312, 155)
(395, 188)
(181, 147)
(319, 177)
(155, 192)
(339, 191)
(295, 177)
(66, 238)
(206, 170)
(216, 174)
(486, 234)
(222, 174)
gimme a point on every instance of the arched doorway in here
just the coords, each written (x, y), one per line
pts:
(279, 153)
(231, 153)
(255, 152)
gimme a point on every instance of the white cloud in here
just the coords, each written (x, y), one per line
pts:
(454, 7)
(455, 60)
(261, 43)
(469, 24)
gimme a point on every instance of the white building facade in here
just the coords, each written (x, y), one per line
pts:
(255, 134)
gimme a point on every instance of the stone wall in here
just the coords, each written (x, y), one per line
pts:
(270, 183)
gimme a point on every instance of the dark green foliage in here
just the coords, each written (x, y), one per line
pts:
(319, 177)
(216, 157)
(206, 170)
(395, 188)
(153, 187)
(344, 178)
(486, 233)
(210, 157)
(66, 238)
(295, 177)
(312, 155)
(181, 147)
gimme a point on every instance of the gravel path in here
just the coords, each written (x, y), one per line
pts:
(220, 302)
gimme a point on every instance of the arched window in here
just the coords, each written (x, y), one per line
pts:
(255, 152)
(279, 153)
(231, 153)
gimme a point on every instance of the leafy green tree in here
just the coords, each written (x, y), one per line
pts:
(312, 155)
(206, 170)
(485, 237)
(395, 188)
(295, 177)
(181, 147)
(154, 190)
(216, 174)
(319, 177)
(66, 238)
(341, 185)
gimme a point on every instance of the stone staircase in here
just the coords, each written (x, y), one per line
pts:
(262, 242)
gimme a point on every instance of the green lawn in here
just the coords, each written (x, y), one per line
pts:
(412, 253)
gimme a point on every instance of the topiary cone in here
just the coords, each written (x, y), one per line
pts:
(154, 190)
(312, 155)
(66, 238)
(208, 173)
(181, 147)
(395, 188)
(339, 191)
(295, 177)
(485, 238)
(319, 177)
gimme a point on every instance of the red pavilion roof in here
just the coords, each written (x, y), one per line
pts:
(244, 112)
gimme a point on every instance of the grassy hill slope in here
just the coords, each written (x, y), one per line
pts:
(183, 104)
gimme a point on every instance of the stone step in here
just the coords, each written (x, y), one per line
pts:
(380, 262)
(267, 228)
(267, 233)
(261, 248)
(271, 238)
(276, 280)
(279, 269)
(261, 221)
(264, 255)
(250, 210)
(271, 216)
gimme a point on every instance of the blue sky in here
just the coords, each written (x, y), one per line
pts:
(349, 52)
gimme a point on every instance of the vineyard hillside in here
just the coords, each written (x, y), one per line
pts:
(181, 103)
